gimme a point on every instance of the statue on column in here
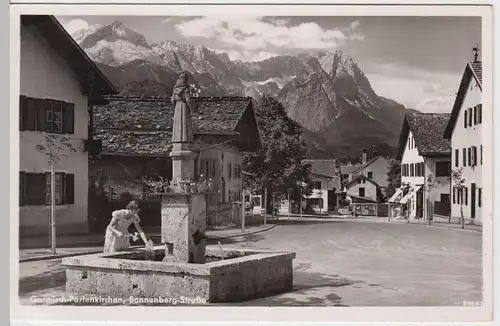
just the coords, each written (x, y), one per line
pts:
(183, 107)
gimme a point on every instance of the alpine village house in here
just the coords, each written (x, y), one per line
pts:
(465, 132)
(135, 133)
(425, 165)
(58, 83)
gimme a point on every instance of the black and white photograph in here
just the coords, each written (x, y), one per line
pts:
(238, 157)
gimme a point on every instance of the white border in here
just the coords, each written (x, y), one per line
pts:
(351, 314)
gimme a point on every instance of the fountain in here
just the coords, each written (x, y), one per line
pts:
(183, 266)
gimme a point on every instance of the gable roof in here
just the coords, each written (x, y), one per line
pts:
(427, 130)
(472, 69)
(348, 169)
(355, 179)
(143, 125)
(89, 75)
(325, 168)
(367, 164)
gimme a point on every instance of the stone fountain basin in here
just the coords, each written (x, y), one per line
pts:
(241, 275)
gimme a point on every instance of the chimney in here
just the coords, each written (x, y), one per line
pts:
(363, 157)
(374, 151)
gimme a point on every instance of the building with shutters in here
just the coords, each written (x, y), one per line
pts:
(464, 130)
(135, 133)
(58, 82)
(424, 152)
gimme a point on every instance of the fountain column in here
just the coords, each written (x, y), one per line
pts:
(183, 215)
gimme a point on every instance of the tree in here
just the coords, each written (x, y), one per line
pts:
(279, 165)
(54, 147)
(458, 182)
(393, 177)
(431, 183)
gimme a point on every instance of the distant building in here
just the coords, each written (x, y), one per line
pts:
(135, 135)
(58, 83)
(326, 185)
(423, 151)
(465, 132)
(363, 190)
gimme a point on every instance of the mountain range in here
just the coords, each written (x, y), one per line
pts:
(325, 92)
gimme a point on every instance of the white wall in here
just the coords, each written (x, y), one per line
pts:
(370, 189)
(442, 186)
(323, 190)
(379, 170)
(223, 155)
(411, 155)
(465, 138)
(46, 75)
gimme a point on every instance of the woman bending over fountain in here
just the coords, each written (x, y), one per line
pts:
(117, 235)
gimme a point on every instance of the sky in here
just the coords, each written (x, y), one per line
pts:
(416, 61)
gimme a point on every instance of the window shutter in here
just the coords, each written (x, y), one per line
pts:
(454, 194)
(475, 155)
(479, 197)
(466, 195)
(213, 168)
(469, 156)
(456, 157)
(480, 111)
(22, 176)
(465, 119)
(69, 186)
(475, 115)
(21, 112)
(68, 118)
(42, 107)
(470, 117)
(30, 114)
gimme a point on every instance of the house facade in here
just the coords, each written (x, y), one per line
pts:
(135, 133)
(464, 130)
(58, 82)
(326, 185)
(425, 165)
(363, 189)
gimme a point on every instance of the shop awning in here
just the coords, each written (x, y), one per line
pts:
(398, 195)
(413, 190)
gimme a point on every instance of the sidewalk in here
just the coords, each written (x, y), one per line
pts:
(37, 248)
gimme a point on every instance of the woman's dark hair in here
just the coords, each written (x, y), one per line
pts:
(133, 205)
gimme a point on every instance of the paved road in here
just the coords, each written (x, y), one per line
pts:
(347, 264)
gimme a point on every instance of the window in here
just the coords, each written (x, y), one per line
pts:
(316, 184)
(213, 169)
(469, 156)
(470, 117)
(461, 197)
(361, 192)
(229, 171)
(466, 195)
(359, 180)
(370, 175)
(345, 176)
(46, 115)
(443, 169)
(454, 194)
(34, 188)
(475, 115)
(465, 119)
(207, 168)
(474, 155)
(314, 202)
(480, 113)
(464, 151)
(479, 197)
(456, 157)
(412, 170)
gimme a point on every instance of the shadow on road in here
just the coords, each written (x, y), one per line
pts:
(42, 281)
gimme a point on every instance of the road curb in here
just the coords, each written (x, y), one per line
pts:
(243, 234)
(58, 256)
(449, 227)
